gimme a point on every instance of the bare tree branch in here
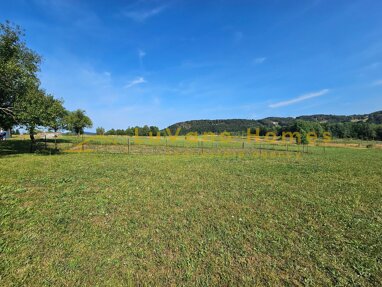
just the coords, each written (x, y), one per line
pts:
(7, 111)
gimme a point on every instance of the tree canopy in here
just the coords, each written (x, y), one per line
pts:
(18, 71)
(22, 101)
(78, 120)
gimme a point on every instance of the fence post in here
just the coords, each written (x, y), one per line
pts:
(46, 146)
(242, 145)
(128, 145)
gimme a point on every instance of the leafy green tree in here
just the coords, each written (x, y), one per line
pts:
(55, 113)
(129, 131)
(339, 130)
(154, 130)
(301, 127)
(378, 132)
(31, 111)
(111, 132)
(120, 132)
(144, 131)
(100, 131)
(18, 72)
(77, 121)
(362, 130)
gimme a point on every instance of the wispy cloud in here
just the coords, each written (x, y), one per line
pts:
(141, 53)
(299, 99)
(137, 81)
(259, 60)
(377, 83)
(143, 15)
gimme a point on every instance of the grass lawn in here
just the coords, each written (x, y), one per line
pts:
(93, 219)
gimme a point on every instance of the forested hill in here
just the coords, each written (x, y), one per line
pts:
(241, 125)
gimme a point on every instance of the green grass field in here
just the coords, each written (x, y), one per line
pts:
(105, 219)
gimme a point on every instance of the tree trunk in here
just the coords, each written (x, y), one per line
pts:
(55, 138)
(31, 135)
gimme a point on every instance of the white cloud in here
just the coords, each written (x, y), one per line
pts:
(259, 60)
(137, 81)
(143, 15)
(377, 83)
(141, 53)
(299, 99)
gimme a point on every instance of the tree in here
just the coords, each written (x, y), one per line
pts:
(120, 132)
(100, 131)
(18, 71)
(77, 120)
(31, 111)
(301, 127)
(340, 130)
(144, 131)
(129, 131)
(378, 132)
(55, 113)
(111, 132)
(363, 131)
(154, 130)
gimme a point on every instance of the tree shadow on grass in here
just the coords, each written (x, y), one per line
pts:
(17, 146)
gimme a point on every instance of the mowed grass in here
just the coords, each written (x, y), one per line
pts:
(93, 219)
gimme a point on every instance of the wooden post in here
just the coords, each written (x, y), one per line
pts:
(46, 146)
(202, 146)
(242, 145)
(128, 145)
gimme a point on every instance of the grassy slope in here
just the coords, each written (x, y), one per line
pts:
(108, 219)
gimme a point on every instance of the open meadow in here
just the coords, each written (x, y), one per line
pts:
(156, 218)
(190, 143)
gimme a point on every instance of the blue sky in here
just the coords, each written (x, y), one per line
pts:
(132, 63)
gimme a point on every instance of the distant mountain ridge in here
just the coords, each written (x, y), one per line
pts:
(240, 125)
